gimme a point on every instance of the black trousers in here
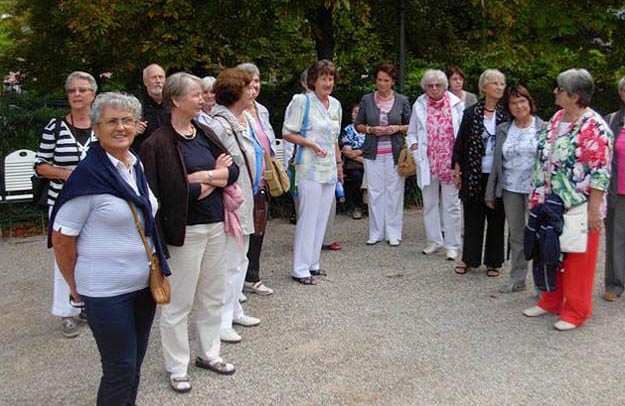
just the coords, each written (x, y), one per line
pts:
(355, 191)
(476, 214)
(253, 252)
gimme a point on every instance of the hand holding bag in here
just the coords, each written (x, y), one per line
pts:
(159, 285)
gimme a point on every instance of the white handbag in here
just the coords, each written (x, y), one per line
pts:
(574, 237)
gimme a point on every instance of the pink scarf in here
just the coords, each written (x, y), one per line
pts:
(440, 131)
(233, 199)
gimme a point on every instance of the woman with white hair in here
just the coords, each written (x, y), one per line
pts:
(432, 129)
(208, 95)
(63, 144)
(472, 161)
(615, 220)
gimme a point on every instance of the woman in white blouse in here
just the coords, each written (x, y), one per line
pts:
(313, 123)
(511, 176)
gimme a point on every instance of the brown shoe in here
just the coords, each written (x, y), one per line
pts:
(610, 296)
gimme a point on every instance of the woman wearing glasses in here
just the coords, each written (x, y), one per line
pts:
(432, 130)
(95, 216)
(63, 144)
(573, 164)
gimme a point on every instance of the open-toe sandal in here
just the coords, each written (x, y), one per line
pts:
(180, 384)
(492, 272)
(318, 272)
(220, 367)
(461, 269)
(308, 280)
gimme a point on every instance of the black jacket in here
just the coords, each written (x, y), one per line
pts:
(155, 114)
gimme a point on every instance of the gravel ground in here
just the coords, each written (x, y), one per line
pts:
(386, 326)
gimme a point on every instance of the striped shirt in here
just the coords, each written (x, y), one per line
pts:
(111, 257)
(63, 152)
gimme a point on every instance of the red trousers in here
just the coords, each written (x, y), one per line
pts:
(572, 298)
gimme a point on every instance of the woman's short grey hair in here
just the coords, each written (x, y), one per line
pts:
(249, 67)
(621, 83)
(116, 101)
(577, 82)
(207, 83)
(81, 75)
(488, 76)
(178, 85)
(434, 75)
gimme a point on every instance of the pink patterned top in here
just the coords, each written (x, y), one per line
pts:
(384, 141)
(440, 138)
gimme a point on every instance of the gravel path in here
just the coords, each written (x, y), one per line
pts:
(387, 326)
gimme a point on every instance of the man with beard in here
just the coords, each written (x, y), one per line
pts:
(155, 113)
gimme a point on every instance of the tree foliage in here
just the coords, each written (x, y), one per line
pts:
(529, 41)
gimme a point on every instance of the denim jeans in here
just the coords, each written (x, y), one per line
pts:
(121, 328)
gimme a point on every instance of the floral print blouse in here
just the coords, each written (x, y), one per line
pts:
(580, 159)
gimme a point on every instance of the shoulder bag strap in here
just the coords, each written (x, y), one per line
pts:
(148, 250)
(298, 157)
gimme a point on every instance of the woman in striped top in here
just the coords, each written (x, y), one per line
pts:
(63, 144)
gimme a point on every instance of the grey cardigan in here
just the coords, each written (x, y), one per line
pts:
(615, 121)
(494, 187)
(369, 115)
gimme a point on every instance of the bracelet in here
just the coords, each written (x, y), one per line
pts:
(339, 162)
(209, 175)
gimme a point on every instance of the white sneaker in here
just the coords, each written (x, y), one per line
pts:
(242, 298)
(393, 243)
(561, 325)
(257, 287)
(535, 311)
(247, 321)
(372, 241)
(451, 255)
(228, 335)
(431, 249)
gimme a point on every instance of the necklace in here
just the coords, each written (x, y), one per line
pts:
(188, 136)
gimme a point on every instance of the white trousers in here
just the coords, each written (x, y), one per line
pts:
(385, 189)
(315, 202)
(440, 201)
(236, 268)
(60, 296)
(198, 274)
(60, 291)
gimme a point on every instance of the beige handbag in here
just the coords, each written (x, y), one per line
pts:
(159, 285)
(275, 176)
(406, 165)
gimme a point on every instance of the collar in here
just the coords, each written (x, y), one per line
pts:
(119, 164)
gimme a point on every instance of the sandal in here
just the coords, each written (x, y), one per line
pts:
(309, 280)
(318, 272)
(492, 272)
(220, 367)
(180, 384)
(461, 269)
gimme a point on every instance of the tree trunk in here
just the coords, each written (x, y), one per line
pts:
(322, 31)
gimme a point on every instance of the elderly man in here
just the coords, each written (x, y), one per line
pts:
(155, 113)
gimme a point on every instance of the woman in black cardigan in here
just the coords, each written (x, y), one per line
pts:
(472, 162)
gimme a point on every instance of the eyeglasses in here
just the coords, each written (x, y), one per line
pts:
(114, 122)
(433, 85)
(79, 90)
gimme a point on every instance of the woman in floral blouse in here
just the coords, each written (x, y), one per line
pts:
(432, 131)
(353, 162)
(572, 162)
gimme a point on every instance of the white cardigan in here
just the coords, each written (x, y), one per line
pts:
(417, 133)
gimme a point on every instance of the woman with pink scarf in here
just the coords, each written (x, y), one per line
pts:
(432, 130)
